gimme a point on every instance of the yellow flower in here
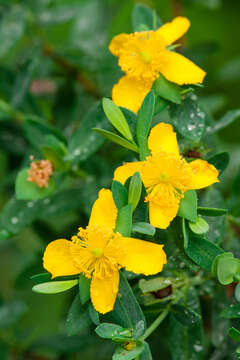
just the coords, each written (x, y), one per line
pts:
(166, 175)
(145, 55)
(99, 253)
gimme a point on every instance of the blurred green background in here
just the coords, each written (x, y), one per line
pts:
(55, 63)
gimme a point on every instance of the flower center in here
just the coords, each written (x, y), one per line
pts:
(164, 176)
(97, 252)
(145, 57)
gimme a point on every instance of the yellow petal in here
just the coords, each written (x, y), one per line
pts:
(104, 211)
(117, 42)
(104, 291)
(160, 217)
(203, 174)
(57, 259)
(174, 30)
(130, 92)
(180, 70)
(162, 138)
(122, 173)
(142, 257)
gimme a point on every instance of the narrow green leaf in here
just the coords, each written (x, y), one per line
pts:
(167, 90)
(26, 190)
(188, 206)
(54, 287)
(135, 190)
(220, 161)
(85, 141)
(155, 284)
(120, 195)
(211, 211)
(117, 139)
(116, 118)
(127, 311)
(143, 228)
(200, 226)
(144, 120)
(224, 121)
(84, 288)
(146, 354)
(234, 333)
(186, 316)
(144, 18)
(237, 292)
(94, 316)
(231, 312)
(78, 317)
(123, 354)
(202, 251)
(112, 331)
(124, 221)
(41, 278)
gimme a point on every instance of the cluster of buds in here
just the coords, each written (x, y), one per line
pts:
(40, 172)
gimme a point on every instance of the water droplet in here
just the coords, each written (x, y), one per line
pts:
(14, 220)
(191, 127)
(193, 97)
(77, 152)
(30, 204)
(46, 201)
(201, 115)
(192, 115)
(197, 348)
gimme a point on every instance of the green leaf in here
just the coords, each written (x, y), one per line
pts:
(146, 354)
(220, 161)
(112, 331)
(11, 312)
(155, 284)
(26, 190)
(116, 118)
(85, 141)
(54, 287)
(200, 226)
(117, 139)
(94, 315)
(144, 120)
(36, 131)
(52, 155)
(216, 261)
(218, 324)
(188, 118)
(237, 292)
(11, 29)
(167, 90)
(234, 333)
(231, 312)
(202, 251)
(224, 121)
(124, 221)
(123, 354)
(186, 316)
(22, 82)
(17, 214)
(135, 190)
(78, 317)
(120, 195)
(143, 228)
(227, 267)
(211, 211)
(41, 278)
(84, 288)
(127, 311)
(144, 18)
(188, 206)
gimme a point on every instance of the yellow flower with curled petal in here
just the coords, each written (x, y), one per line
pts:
(145, 55)
(166, 175)
(98, 252)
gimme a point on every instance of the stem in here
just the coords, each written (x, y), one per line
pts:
(156, 322)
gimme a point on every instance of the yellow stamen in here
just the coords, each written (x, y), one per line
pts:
(97, 252)
(145, 57)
